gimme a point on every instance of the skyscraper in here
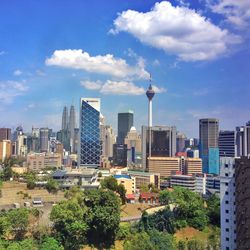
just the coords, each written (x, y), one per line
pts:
(125, 122)
(209, 134)
(243, 140)
(90, 144)
(180, 142)
(227, 143)
(242, 201)
(227, 203)
(5, 134)
(44, 139)
(72, 126)
(163, 142)
(65, 118)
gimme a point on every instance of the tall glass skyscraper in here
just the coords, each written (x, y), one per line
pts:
(65, 119)
(208, 148)
(90, 143)
(125, 122)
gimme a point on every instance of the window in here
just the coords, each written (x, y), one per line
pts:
(226, 165)
(227, 239)
(227, 220)
(226, 192)
(227, 229)
(226, 183)
(226, 174)
(227, 202)
(227, 211)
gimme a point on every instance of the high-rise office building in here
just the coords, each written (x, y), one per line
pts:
(227, 203)
(242, 202)
(209, 151)
(227, 143)
(243, 140)
(90, 143)
(5, 134)
(65, 119)
(109, 139)
(163, 142)
(44, 139)
(72, 126)
(180, 142)
(125, 122)
(120, 155)
(5, 149)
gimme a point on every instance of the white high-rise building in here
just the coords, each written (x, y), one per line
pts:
(72, 126)
(227, 203)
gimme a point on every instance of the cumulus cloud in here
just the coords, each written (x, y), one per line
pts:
(11, 89)
(237, 12)
(121, 88)
(176, 30)
(107, 64)
(40, 72)
(92, 85)
(118, 87)
(17, 72)
(158, 89)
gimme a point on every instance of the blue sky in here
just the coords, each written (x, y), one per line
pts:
(54, 52)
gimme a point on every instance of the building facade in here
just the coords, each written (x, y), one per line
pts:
(5, 149)
(125, 122)
(163, 142)
(90, 143)
(5, 134)
(227, 143)
(165, 166)
(242, 202)
(227, 203)
(44, 139)
(208, 138)
(243, 140)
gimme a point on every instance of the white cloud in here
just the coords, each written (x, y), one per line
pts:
(10, 89)
(156, 62)
(40, 72)
(121, 88)
(2, 53)
(92, 85)
(17, 72)
(107, 64)
(158, 89)
(118, 87)
(176, 30)
(237, 12)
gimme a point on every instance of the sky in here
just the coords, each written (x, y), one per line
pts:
(54, 52)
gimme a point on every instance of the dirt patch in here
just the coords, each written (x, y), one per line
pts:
(131, 210)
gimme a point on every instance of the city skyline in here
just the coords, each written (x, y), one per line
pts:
(191, 84)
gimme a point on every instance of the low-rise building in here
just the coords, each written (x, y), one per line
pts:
(165, 166)
(86, 178)
(126, 181)
(193, 166)
(185, 181)
(144, 179)
(40, 161)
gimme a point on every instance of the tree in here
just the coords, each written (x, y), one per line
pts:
(195, 245)
(109, 183)
(161, 241)
(139, 241)
(165, 197)
(50, 243)
(122, 192)
(19, 221)
(181, 245)
(103, 217)
(70, 227)
(52, 186)
(213, 210)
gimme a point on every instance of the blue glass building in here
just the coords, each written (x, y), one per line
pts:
(90, 144)
(213, 161)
